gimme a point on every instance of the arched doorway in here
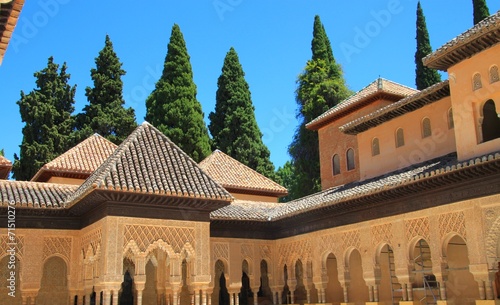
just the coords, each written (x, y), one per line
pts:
(334, 292)
(220, 294)
(300, 294)
(54, 285)
(246, 295)
(389, 287)
(127, 291)
(358, 291)
(265, 294)
(425, 286)
(149, 295)
(491, 122)
(461, 288)
(285, 295)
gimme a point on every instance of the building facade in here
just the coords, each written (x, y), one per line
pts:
(409, 212)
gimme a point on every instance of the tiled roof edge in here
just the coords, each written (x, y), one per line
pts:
(374, 119)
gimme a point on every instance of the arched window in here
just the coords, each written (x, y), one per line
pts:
(451, 123)
(350, 159)
(491, 122)
(426, 128)
(476, 81)
(494, 74)
(400, 137)
(336, 164)
(375, 147)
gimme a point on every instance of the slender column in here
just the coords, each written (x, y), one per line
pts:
(280, 297)
(375, 293)
(489, 290)
(98, 297)
(308, 292)
(115, 296)
(370, 293)
(139, 287)
(346, 294)
(409, 287)
(203, 297)
(442, 290)
(106, 297)
(87, 298)
(237, 299)
(403, 290)
(24, 300)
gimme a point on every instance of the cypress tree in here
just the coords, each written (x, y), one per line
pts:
(172, 106)
(233, 125)
(286, 177)
(46, 111)
(320, 86)
(481, 10)
(105, 114)
(424, 76)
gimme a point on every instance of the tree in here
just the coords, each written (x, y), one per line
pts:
(105, 114)
(285, 175)
(172, 107)
(424, 76)
(46, 111)
(233, 125)
(320, 86)
(481, 10)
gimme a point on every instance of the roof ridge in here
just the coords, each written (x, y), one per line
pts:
(120, 172)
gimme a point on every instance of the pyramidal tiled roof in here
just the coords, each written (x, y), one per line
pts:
(80, 161)
(27, 194)
(5, 167)
(232, 174)
(378, 86)
(147, 162)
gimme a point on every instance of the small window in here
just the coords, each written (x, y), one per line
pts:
(451, 123)
(350, 159)
(400, 137)
(426, 128)
(491, 122)
(494, 74)
(476, 81)
(336, 164)
(375, 147)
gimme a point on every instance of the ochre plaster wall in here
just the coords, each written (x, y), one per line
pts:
(416, 148)
(62, 180)
(333, 141)
(467, 103)
(251, 197)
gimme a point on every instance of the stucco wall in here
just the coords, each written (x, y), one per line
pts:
(333, 141)
(467, 103)
(416, 149)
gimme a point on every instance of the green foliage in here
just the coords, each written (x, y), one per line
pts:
(172, 106)
(105, 114)
(481, 10)
(424, 76)
(46, 111)
(285, 176)
(233, 125)
(321, 86)
(2, 152)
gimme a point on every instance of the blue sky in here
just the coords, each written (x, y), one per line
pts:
(272, 38)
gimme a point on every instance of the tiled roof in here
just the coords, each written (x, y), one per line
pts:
(26, 194)
(9, 14)
(81, 160)
(434, 170)
(232, 174)
(5, 167)
(247, 210)
(379, 86)
(478, 38)
(411, 103)
(147, 162)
